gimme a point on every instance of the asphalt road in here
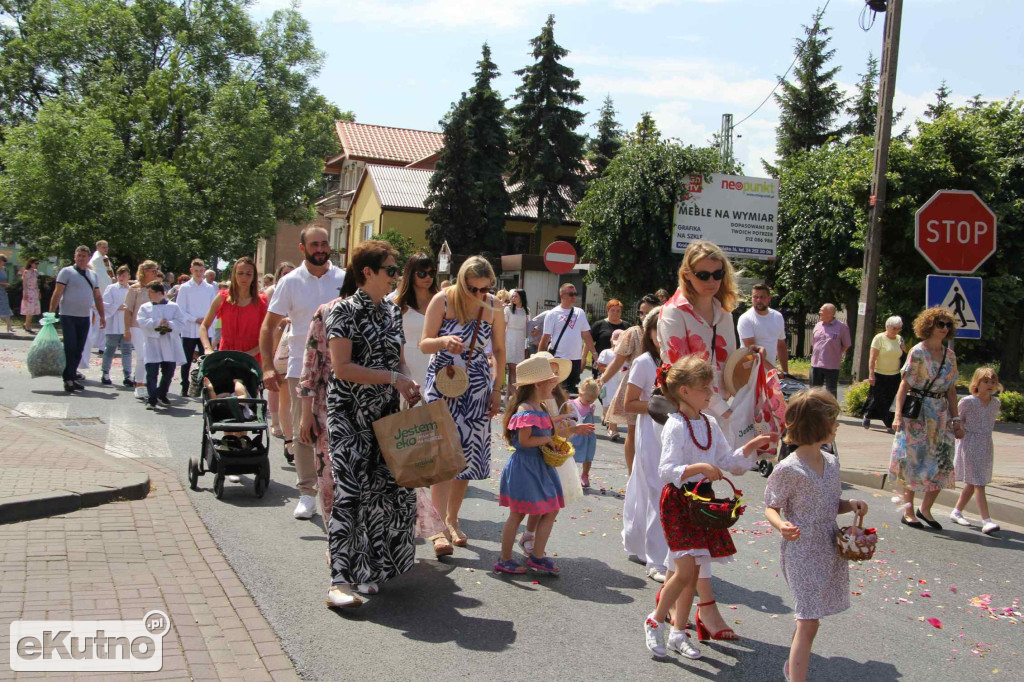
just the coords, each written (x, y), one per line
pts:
(457, 619)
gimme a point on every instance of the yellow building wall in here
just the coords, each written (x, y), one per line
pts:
(411, 225)
(366, 208)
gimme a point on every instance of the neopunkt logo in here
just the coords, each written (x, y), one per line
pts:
(89, 645)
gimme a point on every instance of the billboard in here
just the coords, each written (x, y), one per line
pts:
(736, 212)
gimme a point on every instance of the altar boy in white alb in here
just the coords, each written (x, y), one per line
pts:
(161, 322)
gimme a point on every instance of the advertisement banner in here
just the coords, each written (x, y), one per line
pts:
(736, 212)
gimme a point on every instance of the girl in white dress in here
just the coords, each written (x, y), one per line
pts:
(973, 461)
(516, 319)
(418, 286)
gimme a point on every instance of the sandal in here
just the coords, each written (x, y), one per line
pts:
(526, 544)
(277, 432)
(459, 538)
(703, 634)
(511, 567)
(543, 565)
(441, 545)
(287, 453)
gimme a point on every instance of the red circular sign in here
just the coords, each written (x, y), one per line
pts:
(560, 257)
(955, 231)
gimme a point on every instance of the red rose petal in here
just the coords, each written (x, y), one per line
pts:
(935, 623)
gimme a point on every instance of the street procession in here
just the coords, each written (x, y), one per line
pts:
(296, 390)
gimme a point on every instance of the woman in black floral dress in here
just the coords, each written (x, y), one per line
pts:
(372, 521)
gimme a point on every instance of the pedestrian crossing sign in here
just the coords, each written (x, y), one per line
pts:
(962, 295)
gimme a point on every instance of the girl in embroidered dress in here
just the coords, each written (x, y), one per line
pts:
(973, 462)
(582, 410)
(805, 487)
(693, 448)
(528, 485)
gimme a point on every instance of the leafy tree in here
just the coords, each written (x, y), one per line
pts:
(808, 109)
(453, 204)
(627, 215)
(546, 165)
(405, 246)
(646, 130)
(942, 105)
(205, 124)
(603, 148)
(489, 151)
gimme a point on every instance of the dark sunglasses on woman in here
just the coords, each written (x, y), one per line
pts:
(942, 324)
(705, 275)
(423, 274)
(390, 270)
(479, 290)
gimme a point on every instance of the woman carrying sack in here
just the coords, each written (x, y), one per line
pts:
(372, 518)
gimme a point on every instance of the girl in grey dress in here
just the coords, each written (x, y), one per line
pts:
(805, 489)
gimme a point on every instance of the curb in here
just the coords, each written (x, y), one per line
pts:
(55, 502)
(1003, 511)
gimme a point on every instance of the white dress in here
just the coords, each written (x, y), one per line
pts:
(412, 326)
(515, 335)
(642, 533)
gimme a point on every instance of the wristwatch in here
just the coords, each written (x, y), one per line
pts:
(394, 377)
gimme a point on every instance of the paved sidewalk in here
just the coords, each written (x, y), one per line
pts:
(864, 458)
(120, 560)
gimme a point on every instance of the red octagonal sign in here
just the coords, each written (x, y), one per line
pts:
(955, 231)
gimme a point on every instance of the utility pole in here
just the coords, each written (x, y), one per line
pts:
(725, 141)
(866, 306)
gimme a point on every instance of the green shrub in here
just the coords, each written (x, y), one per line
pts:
(856, 396)
(1012, 406)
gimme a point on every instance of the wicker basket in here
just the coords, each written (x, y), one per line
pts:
(716, 513)
(851, 551)
(557, 452)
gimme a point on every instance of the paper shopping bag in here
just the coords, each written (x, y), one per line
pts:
(421, 445)
(758, 407)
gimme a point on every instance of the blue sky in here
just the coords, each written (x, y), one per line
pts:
(402, 62)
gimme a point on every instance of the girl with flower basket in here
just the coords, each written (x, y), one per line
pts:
(694, 450)
(805, 488)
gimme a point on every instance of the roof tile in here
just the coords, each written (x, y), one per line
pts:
(384, 143)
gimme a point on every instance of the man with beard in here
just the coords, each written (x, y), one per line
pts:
(764, 327)
(297, 296)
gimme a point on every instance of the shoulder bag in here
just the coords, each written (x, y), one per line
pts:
(453, 381)
(915, 397)
(572, 313)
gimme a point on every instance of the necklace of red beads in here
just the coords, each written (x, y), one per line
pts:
(693, 436)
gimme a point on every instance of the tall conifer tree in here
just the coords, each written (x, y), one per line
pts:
(547, 162)
(942, 105)
(453, 203)
(608, 142)
(489, 153)
(864, 106)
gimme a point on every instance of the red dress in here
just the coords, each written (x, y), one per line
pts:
(240, 325)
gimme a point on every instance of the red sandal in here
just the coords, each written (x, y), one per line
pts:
(668, 619)
(703, 634)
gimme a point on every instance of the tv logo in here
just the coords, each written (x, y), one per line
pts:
(89, 645)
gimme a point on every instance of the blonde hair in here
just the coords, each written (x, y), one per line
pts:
(727, 295)
(503, 296)
(143, 267)
(811, 417)
(689, 370)
(466, 305)
(981, 374)
(590, 389)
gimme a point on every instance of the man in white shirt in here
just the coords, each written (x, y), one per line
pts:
(297, 296)
(100, 264)
(566, 332)
(762, 326)
(194, 299)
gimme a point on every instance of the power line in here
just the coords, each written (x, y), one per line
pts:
(816, 20)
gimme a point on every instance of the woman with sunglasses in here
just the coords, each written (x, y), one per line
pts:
(459, 323)
(413, 295)
(697, 320)
(924, 447)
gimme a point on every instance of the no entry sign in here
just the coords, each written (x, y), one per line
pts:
(955, 231)
(560, 257)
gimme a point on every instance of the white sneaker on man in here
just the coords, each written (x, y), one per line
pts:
(958, 517)
(141, 393)
(654, 634)
(679, 640)
(305, 508)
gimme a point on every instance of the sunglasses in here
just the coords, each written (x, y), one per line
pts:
(479, 290)
(424, 274)
(571, 294)
(390, 270)
(943, 325)
(705, 275)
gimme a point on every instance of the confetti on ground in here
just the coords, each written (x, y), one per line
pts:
(935, 623)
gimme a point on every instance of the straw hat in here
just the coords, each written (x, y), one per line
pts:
(735, 376)
(564, 366)
(533, 370)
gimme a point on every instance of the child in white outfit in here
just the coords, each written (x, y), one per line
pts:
(160, 321)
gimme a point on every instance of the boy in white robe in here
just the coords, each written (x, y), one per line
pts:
(161, 322)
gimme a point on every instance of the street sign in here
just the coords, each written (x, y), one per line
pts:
(962, 295)
(560, 257)
(955, 231)
(735, 212)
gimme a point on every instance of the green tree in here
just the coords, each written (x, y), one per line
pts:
(863, 108)
(646, 130)
(942, 105)
(606, 144)
(547, 161)
(489, 152)
(405, 246)
(454, 209)
(808, 108)
(627, 215)
(219, 132)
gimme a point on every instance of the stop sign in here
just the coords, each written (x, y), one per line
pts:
(560, 257)
(955, 231)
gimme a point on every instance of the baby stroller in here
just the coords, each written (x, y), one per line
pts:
(790, 387)
(235, 429)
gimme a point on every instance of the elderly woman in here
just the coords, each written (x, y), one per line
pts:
(372, 518)
(887, 349)
(923, 449)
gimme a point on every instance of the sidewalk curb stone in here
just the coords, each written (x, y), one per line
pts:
(54, 502)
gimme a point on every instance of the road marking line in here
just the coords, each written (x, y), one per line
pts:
(43, 410)
(130, 439)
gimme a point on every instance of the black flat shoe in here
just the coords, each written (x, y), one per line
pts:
(912, 524)
(934, 524)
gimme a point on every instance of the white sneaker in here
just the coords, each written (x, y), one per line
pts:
(989, 527)
(958, 517)
(654, 574)
(368, 588)
(340, 597)
(679, 640)
(142, 393)
(654, 634)
(305, 508)
(234, 479)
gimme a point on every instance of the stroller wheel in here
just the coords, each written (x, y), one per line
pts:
(766, 468)
(193, 473)
(218, 486)
(260, 486)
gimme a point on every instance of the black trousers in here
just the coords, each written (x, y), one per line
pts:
(572, 382)
(829, 378)
(190, 346)
(166, 372)
(76, 335)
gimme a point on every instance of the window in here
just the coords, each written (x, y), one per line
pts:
(367, 230)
